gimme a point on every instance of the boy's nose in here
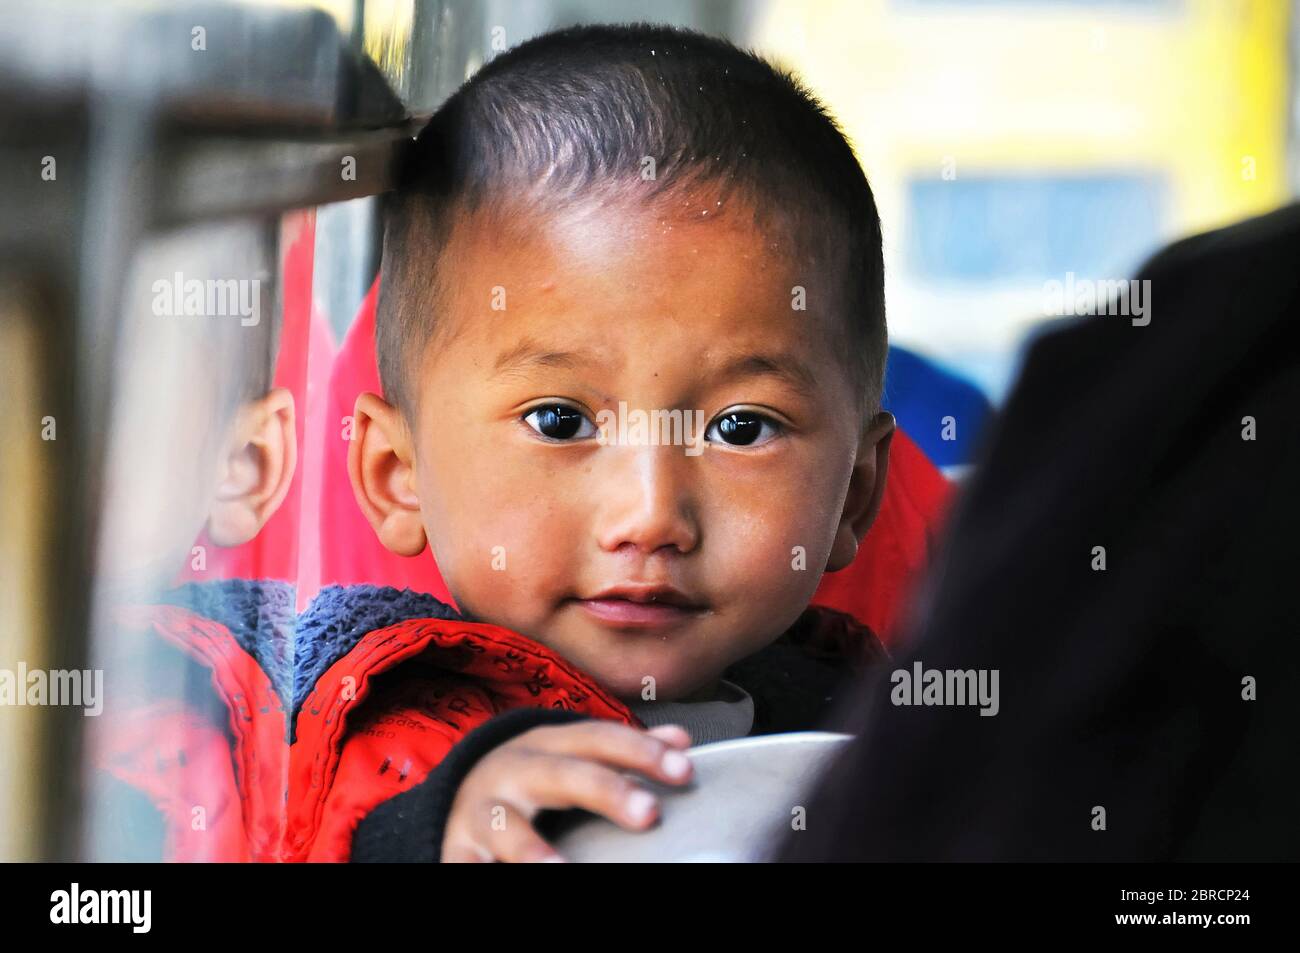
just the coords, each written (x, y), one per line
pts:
(646, 503)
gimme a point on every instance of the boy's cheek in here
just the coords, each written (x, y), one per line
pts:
(505, 566)
(785, 547)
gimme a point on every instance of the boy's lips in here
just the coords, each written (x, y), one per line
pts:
(641, 606)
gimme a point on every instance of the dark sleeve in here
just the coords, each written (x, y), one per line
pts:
(408, 827)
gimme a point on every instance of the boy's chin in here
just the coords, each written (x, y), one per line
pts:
(633, 688)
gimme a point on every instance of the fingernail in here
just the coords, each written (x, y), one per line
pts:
(676, 765)
(544, 856)
(640, 805)
(663, 731)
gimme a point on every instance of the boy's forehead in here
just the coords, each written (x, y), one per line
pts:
(604, 227)
(605, 283)
(679, 257)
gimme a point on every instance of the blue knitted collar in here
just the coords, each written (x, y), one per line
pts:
(341, 616)
(294, 651)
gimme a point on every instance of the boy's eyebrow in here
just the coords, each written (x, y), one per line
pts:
(783, 366)
(529, 353)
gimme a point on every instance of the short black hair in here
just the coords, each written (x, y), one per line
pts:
(579, 110)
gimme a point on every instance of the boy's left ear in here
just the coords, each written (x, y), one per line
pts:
(255, 468)
(866, 490)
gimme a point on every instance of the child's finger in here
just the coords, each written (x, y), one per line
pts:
(675, 736)
(505, 833)
(618, 746)
(561, 782)
(460, 850)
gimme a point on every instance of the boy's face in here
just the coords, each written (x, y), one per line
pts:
(541, 525)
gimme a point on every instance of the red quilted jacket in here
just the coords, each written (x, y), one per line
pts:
(301, 746)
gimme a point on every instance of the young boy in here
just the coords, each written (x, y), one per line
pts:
(609, 226)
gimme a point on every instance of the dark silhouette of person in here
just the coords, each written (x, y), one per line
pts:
(1126, 557)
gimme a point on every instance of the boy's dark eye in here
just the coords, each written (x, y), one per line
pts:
(742, 428)
(559, 422)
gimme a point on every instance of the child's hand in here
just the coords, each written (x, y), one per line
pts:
(560, 766)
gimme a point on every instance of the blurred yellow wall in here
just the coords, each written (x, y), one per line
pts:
(1196, 89)
(1188, 94)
